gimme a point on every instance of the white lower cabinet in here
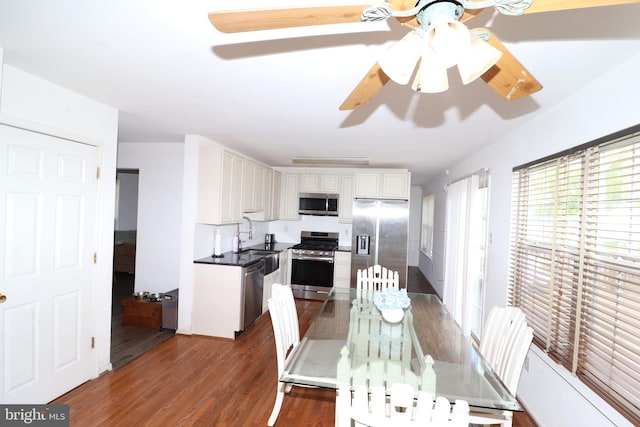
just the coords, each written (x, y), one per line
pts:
(269, 280)
(217, 300)
(285, 267)
(341, 269)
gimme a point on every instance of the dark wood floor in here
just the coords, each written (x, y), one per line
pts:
(416, 282)
(193, 380)
(129, 342)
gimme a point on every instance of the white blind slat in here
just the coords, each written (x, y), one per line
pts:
(575, 264)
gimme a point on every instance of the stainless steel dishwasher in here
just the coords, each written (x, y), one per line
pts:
(252, 285)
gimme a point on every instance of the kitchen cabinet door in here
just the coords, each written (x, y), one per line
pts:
(285, 267)
(342, 269)
(367, 184)
(248, 186)
(217, 300)
(395, 185)
(345, 200)
(290, 197)
(276, 195)
(219, 181)
(319, 183)
(382, 184)
(329, 184)
(269, 280)
(259, 188)
(309, 183)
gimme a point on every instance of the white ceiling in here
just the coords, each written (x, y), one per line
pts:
(275, 95)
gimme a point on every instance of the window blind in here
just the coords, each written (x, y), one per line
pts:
(575, 263)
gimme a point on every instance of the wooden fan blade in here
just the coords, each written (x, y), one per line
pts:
(553, 5)
(508, 77)
(368, 87)
(236, 21)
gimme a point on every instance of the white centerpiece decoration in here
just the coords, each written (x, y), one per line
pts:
(392, 302)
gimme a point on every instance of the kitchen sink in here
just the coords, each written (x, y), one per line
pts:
(258, 252)
(271, 258)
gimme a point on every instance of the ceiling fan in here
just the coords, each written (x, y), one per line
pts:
(438, 40)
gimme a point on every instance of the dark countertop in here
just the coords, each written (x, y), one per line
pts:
(243, 258)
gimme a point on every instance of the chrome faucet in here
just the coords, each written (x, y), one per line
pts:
(249, 232)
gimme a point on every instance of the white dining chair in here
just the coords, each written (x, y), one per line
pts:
(505, 343)
(286, 331)
(377, 278)
(363, 407)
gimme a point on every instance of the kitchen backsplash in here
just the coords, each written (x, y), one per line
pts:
(285, 231)
(289, 231)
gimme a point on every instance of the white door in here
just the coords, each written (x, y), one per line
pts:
(47, 238)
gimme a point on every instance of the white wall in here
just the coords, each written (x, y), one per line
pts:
(608, 104)
(158, 239)
(37, 105)
(289, 231)
(433, 267)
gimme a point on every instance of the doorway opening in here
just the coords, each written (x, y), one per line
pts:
(127, 341)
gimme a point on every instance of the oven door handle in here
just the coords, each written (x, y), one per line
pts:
(312, 258)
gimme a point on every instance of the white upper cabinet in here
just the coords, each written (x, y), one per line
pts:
(309, 183)
(319, 183)
(259, 188)
(345, 200)
(329, 184)
(248, 186)
(219, 186)
(382, 184)
(290, 197)
(277, 192)
(268, 202)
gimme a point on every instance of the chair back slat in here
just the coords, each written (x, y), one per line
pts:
(505, 342)
(377, 278)
(368, 407)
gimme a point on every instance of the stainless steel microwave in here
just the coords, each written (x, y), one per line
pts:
(318, 204)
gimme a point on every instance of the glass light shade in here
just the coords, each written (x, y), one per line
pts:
(476, 59)
(399, 60)
(431, 76)
(448, 38)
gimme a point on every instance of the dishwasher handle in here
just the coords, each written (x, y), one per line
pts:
(254, 267)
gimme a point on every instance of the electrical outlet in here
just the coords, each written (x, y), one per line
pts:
(526, 363)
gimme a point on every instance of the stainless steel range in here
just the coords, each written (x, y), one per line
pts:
(312, 264)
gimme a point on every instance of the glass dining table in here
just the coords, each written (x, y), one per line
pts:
(460, 371)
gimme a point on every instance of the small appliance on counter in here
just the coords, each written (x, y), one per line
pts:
(269, 239)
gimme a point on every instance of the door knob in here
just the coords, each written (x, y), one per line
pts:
(3, 298)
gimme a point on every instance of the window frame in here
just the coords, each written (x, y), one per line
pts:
(572, 270)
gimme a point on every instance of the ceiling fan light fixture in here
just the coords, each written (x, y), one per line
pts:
(476, 59)
(399, 60)
(448, 38)
(431, 76)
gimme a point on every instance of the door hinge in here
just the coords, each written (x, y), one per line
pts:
(95, 257)
(98, 172)
(93, 342)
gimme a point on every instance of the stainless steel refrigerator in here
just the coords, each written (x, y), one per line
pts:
(379, 230)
